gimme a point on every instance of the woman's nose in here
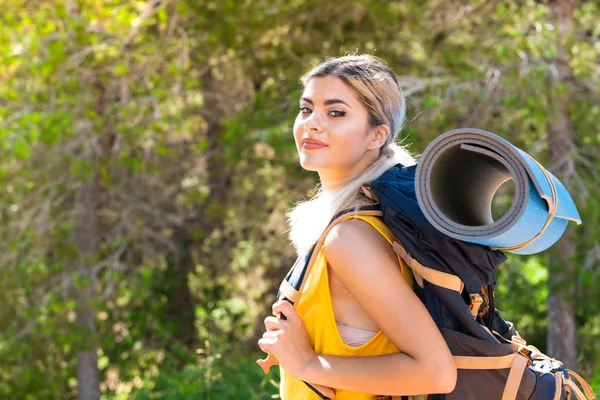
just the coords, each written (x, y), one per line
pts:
(313, 122)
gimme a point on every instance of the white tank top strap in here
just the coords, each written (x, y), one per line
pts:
(353, 336)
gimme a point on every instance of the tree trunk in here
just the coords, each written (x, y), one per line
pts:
(179, 315)
(561, 318)
(88, 376)
(88, 233)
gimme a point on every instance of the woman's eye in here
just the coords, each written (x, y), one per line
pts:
(304, 110)
(337, 113)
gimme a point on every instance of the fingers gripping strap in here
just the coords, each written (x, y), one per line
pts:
(514, 378)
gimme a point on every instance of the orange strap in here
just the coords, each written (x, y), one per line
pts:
(475, 305)
(368, 193)
(586, 386)
(514, 378)
(572, 388)
(558, 384)
(516, 362)
(521, 346)
(500, 362)
(421, 272)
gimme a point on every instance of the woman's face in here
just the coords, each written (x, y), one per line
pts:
(335, 118)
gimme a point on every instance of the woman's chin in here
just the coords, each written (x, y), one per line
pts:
(310, 167)
(310, 163)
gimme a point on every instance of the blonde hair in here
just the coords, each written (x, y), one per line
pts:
(378, 89)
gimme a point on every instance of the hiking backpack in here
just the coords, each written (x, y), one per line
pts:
(455, 280)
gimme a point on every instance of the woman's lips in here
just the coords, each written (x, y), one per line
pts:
(312, 146)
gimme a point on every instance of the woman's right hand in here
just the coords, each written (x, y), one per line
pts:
(272, 323)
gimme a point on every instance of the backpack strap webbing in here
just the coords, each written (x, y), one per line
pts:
(586, 386)
(572, 388)
(516, 362)
(288, 291)
(520, 346)
(514, 377)
(421, 272)
(472, 362)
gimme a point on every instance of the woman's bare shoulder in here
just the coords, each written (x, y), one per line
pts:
(353, 242)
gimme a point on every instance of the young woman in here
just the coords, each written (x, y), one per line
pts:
(359, 327)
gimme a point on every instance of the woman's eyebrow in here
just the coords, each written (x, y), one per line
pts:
(326, 102)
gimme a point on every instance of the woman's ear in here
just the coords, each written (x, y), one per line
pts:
(380, 137)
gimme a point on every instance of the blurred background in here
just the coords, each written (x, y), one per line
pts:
(147, 162)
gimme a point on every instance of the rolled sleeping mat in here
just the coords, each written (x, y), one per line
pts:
(456, 179)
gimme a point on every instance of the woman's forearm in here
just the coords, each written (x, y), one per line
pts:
(390, 374)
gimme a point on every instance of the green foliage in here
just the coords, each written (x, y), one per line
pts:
(521, 296)
(215, 376)
(183, 126)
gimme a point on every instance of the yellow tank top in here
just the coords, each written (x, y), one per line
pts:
(316, 311)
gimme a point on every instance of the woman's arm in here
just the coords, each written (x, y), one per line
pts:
(363, 260)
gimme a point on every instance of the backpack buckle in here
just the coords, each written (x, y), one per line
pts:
(476, 302)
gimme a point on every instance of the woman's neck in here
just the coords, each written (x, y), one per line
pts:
(330, 184)
(332, 180)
